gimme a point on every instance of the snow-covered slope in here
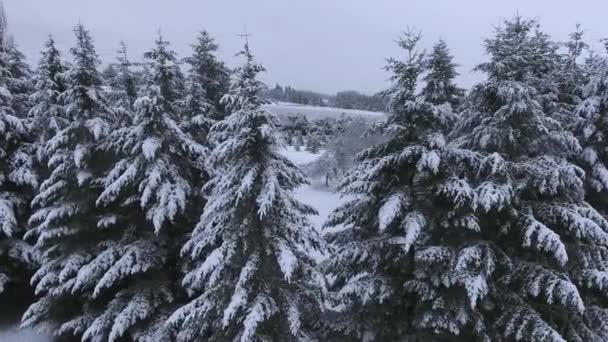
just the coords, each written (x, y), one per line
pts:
(282, 109)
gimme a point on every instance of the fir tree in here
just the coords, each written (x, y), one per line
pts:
(65, 220)
(404, 73)
(164, 71)
(146, 197)
(19, 83)
(394, 189)
(124, 86)
(47, 114)
(441, 72)
(572, 76)
(17, 184)
(250, 274)
(207, 71)
(592, 130)
(536, 259)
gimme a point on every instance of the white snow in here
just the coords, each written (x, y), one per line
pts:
(390, 210)
(318, 196)
(26, 335)
(282, 109)
(301, 157)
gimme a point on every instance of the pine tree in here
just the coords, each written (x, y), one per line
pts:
(441, 72)
(124, 86)
(147, 196)
(571, 76)
(48, 114)
(109, 73)
(65, 220)
(404, 73)
(539, 246)
(250, 274)
(17, 184)
(395, 204)
(165, 71)
(592, 130)
(207, 71)
(19, 83)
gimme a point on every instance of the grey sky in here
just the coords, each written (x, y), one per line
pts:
(324, 45)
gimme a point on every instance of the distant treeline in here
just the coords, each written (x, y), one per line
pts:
(349, 99)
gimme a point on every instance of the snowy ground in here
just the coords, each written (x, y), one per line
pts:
(16, 335)
(314, 194)
(282, 109)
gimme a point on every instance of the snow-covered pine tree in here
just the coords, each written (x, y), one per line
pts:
(205, 85)
(540, 248)
(146, 199)
(47, 113)
(440, 69)
(164, 71)
(65, 220)
(592, 131)
(123, 86)
(251, 276)
(108, 74)
(17, 184)
(20, 84)
(572, 76)
(393, 207)
(206, 70)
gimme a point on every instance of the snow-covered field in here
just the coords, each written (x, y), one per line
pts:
(282, 109)
(315, 194)
(16, 335)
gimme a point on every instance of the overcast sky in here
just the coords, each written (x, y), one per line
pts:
(323, 45)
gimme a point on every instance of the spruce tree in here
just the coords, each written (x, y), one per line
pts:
(210, 74)
(19, 84)
(250, 274)
(571, 76)
(146, 198)
(537, 257)
(592, 130)
(165, 71)
(123, 87)
(394, 188)
(17, 184)
(65, 221)
(47, 113)
(441, 69)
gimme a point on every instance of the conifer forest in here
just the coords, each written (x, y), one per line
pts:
(158, 197)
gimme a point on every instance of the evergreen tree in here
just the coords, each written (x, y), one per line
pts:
(535, 260)
(592, 130)
(313, 143)
(19, 83)
(17, 182)
(164, 71)
(404, 74)
(109, 73)
(124, 86)
(147, 198)
(197, 112)
(250, 274)
(440, 86)
(65, 220)
(207, 71)
(572, 76)
(394, 188)
(47, 114)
